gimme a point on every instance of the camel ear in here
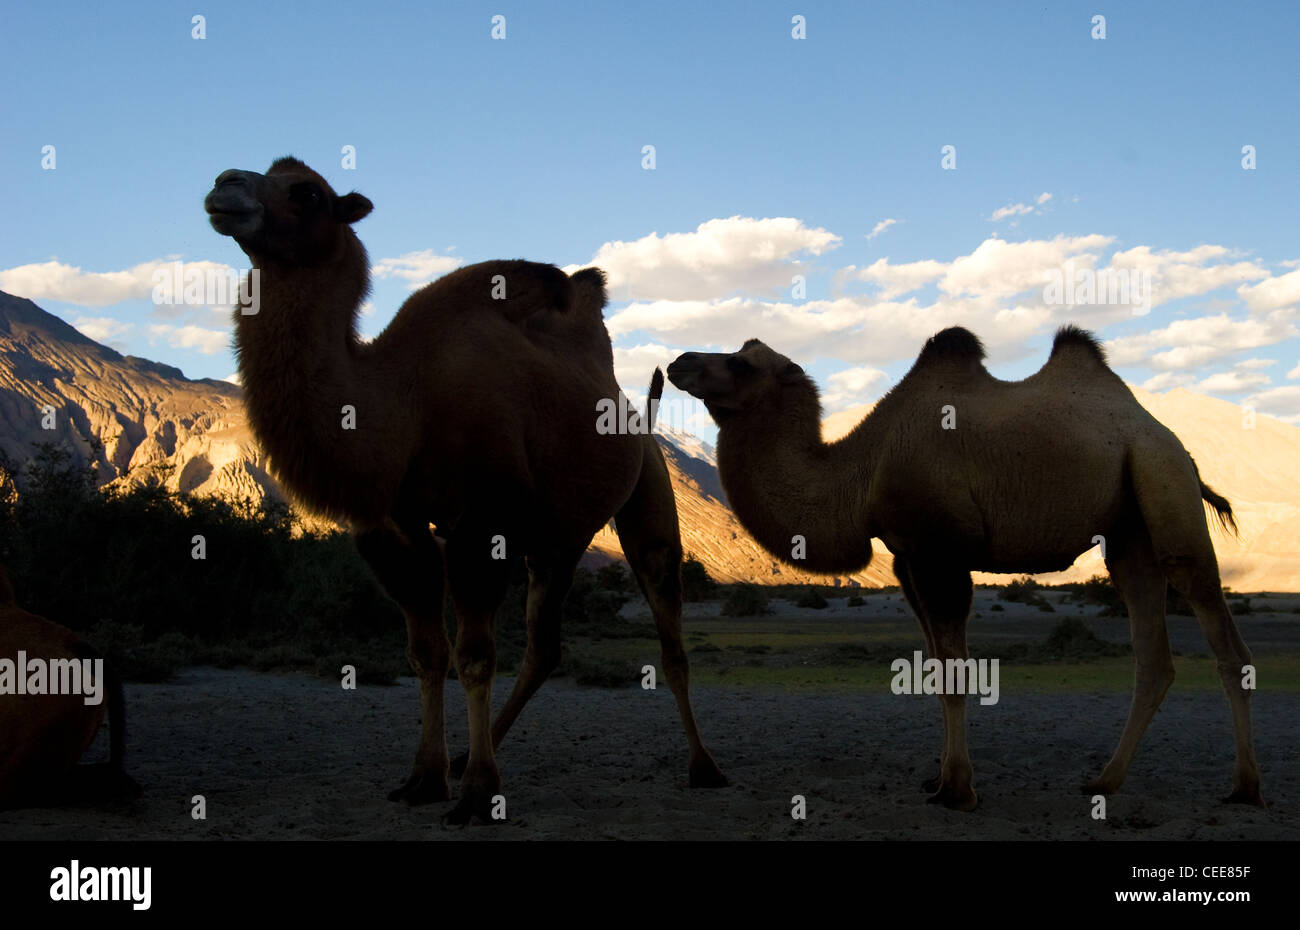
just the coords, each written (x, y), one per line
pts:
(351, 207)
(791, 373)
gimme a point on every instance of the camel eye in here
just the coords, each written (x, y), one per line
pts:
(305, 194)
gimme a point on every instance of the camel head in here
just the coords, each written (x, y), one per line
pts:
(753, 378)
(290, 214)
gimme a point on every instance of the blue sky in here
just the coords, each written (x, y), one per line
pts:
(1123, 152)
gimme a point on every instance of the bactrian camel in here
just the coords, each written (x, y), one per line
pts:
(43, 735)
(957, 471)
(476, 410)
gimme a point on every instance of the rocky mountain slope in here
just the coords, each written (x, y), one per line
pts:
(157, 425)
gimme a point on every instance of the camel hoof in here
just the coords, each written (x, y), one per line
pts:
(458, 765)
(474, 805)
(955, 799)
(422, 788)
(1246, 796)
(705, 773)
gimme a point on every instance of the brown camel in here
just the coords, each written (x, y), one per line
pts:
(472, 413)
(43, 735)
(957, 471)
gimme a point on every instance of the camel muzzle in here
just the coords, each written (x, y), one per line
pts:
(232, 204)
(684, 371)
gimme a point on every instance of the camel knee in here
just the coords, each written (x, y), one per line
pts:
(427, 657)
(1192, 577)
(659, 562)
(1158, 680)
(475, 660)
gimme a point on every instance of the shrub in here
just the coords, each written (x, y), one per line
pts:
(744, 600)
(811, 597)
(1020, 590)
(697, 584)
(856, 600)
(587, 669)
(1071, 638)
(1101, 590)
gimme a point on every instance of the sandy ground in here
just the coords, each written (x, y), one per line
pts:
(293, 756)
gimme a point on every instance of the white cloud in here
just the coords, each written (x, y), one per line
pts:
(721, 257)
(1273, 293)
(633, 365)
(853, 386)
(897, 279)
(101, 328)
(1281, 402)
(880, 227)
(1184, 274)
(1168, 379)
(1255, 364)
(1294, 373)
(998, 268)
(206, 341)
(1015, 209)
(1196, 341)
(417, 268)
(1232, 382)
(233, 378)
(55, 280)
(1020, 209)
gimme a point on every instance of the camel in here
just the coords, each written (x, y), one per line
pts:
(43, 735)
(957, 471)
(475, 414)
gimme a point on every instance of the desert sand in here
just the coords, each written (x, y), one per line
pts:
(288, 756)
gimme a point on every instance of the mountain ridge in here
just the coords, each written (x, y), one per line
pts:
(155, 425)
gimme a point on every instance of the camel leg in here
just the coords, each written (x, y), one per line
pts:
(1175, 517)
(1198, 581)
(1133, 567)
(904, 576)
(944, 595)
(409, 566)
(549, 580)
(648, 530)
(478, 585)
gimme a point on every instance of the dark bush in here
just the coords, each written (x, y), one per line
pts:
(744, 600)
(811, 597)
(697, 585)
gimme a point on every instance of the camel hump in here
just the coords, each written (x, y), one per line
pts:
(954, 343)
(589, 291)
(532, 286)
(1071, 336)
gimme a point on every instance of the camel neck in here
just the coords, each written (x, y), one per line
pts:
(300, 361)
(786, 485)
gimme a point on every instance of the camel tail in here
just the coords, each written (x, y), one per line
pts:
(652, 402)
(1219, 503)
(1222, 509)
